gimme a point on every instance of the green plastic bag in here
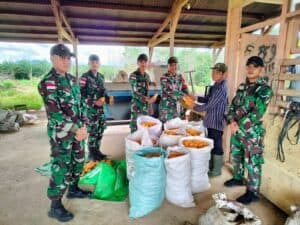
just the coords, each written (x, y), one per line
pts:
(112, 184)
(91, 177)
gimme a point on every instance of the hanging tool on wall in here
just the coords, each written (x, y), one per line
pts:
(291, 119)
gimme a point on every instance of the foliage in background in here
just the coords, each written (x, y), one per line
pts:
(19, 92)
(25, 69)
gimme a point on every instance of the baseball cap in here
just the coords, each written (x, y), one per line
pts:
(94, 57)
(172, 59)
(61, 50)
(142, 57)
(256, 61)
(221, 67)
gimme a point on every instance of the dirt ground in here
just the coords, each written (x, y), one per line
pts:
(23, 191)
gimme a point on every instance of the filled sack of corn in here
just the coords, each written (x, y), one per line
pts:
(147, 186)
(178, 184)
(134, 142)
(193, 131)
(153, 125)
(170, 137)
(197, 125)
(228, 212)
(199, 148)
(175, 123)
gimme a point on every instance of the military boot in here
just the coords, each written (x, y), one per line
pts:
(233, 182)
(75, 192)
(248, 197)
(58, 211)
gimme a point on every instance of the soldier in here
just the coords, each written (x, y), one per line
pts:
(66, 131)
(173, 90)
(139, 81)
(93, 98)
(245, 118)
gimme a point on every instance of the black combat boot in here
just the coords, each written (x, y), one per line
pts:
(233, 182)
(248, 197)
(75, 192)
(59, 212)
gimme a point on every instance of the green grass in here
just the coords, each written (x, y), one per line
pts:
(21, 92)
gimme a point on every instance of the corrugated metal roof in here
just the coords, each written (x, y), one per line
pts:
(124, 22)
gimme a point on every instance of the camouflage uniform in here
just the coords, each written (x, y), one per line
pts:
(247, 109)
(172, 91)
(61, 97)
(139, 85)
(92, 88)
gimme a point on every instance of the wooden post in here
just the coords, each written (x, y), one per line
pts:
(234, 19)
(215, 54)
(151, 50)
(75, 49)
(172, 43)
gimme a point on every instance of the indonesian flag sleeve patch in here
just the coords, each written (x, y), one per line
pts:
(83, 81)
(50, 85)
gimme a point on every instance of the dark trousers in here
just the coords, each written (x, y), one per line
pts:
(216, 135)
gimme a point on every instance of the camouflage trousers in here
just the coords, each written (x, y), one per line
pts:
(247, 153)
(67, 164)
(134, 113)
(167, 111)
(95, 128)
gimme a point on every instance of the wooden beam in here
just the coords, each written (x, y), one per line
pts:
(171, 19)
(60, 19)
(288, 92)
(219, 44)
(284, 76)
(259, 25)
(135, 8)
(276, 2)
(293, 14)
(289, 62)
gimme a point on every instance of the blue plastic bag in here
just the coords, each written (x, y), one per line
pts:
(147, 186)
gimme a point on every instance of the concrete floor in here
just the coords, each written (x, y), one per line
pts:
(23, 191)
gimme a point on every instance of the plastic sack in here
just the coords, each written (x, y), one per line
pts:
(200, 164)
(147, 186)
(112, 184)
(228, 212)
(132, 146)
(167, 140)
(175, 123)
(178, 184)
(198, 125)
(91, 177)
(294, 219)
(154, 130)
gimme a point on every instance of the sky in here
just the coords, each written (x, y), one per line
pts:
(109, 55)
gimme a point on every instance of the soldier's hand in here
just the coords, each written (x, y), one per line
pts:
(81, 133)
(111, 100)
(194, 97)
(234, 128)
(99, 103)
